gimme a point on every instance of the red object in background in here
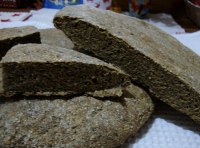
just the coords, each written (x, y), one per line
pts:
(5, 20)
(196, 2)
(16, 14)
(10, 3)
(21, 4)
(105, 1)
(97, 5)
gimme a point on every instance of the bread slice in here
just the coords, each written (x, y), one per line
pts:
(78, 122)
(40, 69)
(156, 61)
(18, 35)
(55, 37)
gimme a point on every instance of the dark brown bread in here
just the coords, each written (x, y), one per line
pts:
(80, 122)
(44, 69)
(156, 61)
(18, 35)
(55, 37)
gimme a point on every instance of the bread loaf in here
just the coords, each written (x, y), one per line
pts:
(18, 35)
(43, 69)
(157, 62)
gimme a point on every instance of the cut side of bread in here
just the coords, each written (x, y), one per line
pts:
(157, 62)
(40, 69)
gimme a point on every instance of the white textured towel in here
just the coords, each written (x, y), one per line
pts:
(167, 128)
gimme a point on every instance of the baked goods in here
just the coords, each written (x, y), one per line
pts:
(18, 35)
(156, 61)
(78, 122)
(55, 37)
(40, 69)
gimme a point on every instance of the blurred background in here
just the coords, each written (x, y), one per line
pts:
(185, 12)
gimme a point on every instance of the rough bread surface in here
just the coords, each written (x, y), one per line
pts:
(78, 122)
(156, 61)
(18, 35)
(55, 37)
(44, 69)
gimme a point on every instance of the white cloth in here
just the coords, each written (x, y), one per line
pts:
(165, 22)
(44, 16)
(167, 128)
(14, 16)
(191, 40)
(41, 19)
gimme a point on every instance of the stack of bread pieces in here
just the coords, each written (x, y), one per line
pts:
(91, 81)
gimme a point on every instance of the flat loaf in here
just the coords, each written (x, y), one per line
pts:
(156, 61)
(39, 69)
(55, 37)
(80, 122)
(18, 35)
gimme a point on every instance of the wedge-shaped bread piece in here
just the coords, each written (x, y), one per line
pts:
(55, 37)
(156, 61)
(18, 35)
(78, 122)
(44, 69)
